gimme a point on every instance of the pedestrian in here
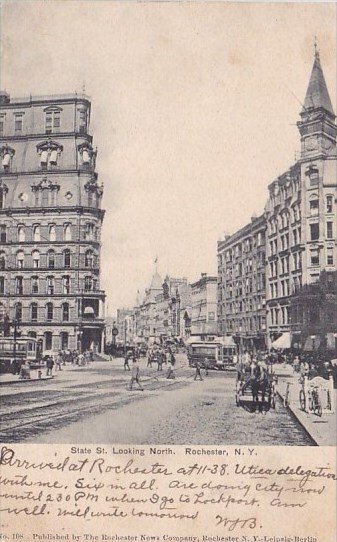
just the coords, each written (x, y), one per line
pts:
(50, 365)
(170, 373)
(172, 358)
(126, 363)
(160, 361)
(149, 359)
(197, 371)
(206, 366)
(135, 374)
(80, 359)
(58, 361)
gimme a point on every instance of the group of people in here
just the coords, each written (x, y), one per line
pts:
(159, 356)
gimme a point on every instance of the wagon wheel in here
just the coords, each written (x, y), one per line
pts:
(302, 400)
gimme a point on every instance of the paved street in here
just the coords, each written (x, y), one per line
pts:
(92, 405)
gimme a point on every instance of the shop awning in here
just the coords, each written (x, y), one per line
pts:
(331, 341)
(312, 343)
(228, 341)
(282, 342)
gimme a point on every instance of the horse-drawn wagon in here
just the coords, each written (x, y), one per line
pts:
(255, 388)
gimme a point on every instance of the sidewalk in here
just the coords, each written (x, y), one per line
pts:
(321, 429)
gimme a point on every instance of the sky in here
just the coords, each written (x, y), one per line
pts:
(194, 111)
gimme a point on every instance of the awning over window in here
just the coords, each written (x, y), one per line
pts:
(53, 157)
(6, 160)
(312, 343)
(228, 341)
(44, 157)
(282, 342)
(85, 157)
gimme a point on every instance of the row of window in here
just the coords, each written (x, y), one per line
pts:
(279, 315)
(90, 284)
(90, 259)
(47, 313)
(52, 121)
(89, 233)
(48, 159)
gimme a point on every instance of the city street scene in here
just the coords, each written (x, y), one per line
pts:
(168, 228)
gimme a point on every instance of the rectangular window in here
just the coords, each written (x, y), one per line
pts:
(3, 234)
(2, 285)
(19, 285)
(52, 122)
(2, 123)
(314, 232)
(18, 124)
(329, 230)
(314, 257)
(35, 285)
(329, 204)
(329, 256)
(314, 207)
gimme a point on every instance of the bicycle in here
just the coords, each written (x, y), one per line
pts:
(315, 404)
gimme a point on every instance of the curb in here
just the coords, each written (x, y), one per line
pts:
(293, 413)
(24, 381)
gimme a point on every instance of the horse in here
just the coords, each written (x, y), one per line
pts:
(259, 383)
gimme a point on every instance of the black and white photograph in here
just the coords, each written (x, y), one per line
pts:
(168, 223)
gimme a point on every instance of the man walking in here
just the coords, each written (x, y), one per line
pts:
(135, 374)
(126, 363)
(59, 361)
(197, 371)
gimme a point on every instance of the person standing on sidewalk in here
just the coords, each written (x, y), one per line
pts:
(59, 361)
(135, 374)
(126, 363)
(197, 371)
(149, 359)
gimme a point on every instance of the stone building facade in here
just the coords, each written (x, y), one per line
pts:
(50, 221)
(241, 285)
(204, 306)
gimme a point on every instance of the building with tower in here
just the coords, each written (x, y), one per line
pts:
(50, 221)
(300, 222)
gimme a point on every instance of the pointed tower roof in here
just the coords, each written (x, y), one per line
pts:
(317, 95)
(156, 283)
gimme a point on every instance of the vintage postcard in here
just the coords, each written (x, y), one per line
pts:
(168, 271)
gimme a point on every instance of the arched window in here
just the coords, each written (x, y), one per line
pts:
(33, 312)
(48, 340)
(49, 312)
(20, 259)
(21, 234)
(32, 334)
(64, 340)
(67, 232)
(50, 286)
(19, 285)
(52, 233)
(36, 233)
(89, 258)
(65, 312)
(66, 258)
(35, 285)
(51, 259)
(36, 259)
(18, 312)
(66, 284)
(88, 283)
(2, 260)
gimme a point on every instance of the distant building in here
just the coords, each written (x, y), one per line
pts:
(241, 285)
(204, 306)
(50, 221)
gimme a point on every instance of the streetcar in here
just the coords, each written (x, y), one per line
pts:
(218, 351)
(13, 353)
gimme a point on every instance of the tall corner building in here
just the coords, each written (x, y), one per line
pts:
(50, 221)
(301, 217)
